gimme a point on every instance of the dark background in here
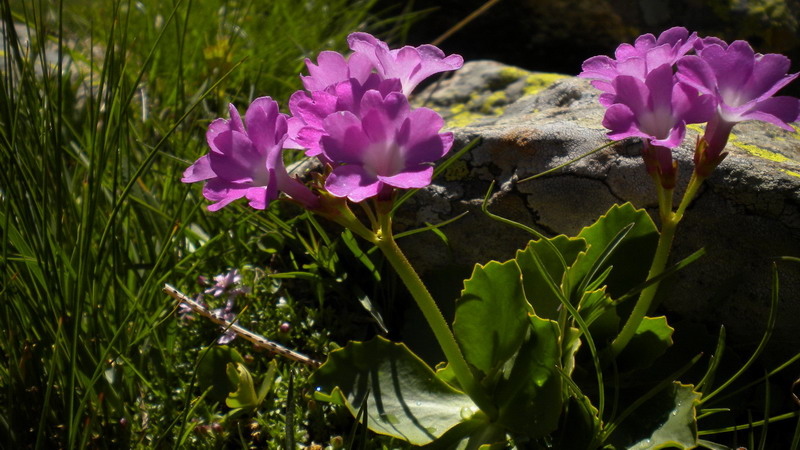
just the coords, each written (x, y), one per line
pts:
(557, 36)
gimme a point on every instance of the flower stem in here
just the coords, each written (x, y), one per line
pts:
(433, 316)
(669, 223)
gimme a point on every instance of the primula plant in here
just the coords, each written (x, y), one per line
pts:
(537, 338)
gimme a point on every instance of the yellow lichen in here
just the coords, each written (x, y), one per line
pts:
(511, 74)
(537, 82)
(457, 171)
(461, 117)
(761, 153)
(488, 106)
(796, 133)
(695, 127)
(792, 173)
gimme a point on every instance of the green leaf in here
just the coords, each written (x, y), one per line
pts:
(244, 396)
(469, 434)
(631, 258)
(665, 421)
(269, 381)
(403, 397)
(652, 339)
(531, 397)
(212, 371)
(491, 315)
(544, 301)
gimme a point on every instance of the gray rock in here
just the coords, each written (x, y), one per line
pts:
(746, 214)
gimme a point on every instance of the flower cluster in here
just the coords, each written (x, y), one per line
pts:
(227, 285)
(655, 87)
(354, 116)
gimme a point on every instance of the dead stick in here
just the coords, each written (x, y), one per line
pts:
(257, 340)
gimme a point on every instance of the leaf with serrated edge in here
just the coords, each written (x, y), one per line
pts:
(632, 257)
(491, 315)
(652, 339)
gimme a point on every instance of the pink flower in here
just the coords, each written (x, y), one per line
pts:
(387, 145)
(310, 110)
(332, 68)
(742, 84)
(637, 60)
(247, 162)
(656, 110)
(411, 65)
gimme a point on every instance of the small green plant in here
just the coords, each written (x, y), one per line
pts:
(101, 107)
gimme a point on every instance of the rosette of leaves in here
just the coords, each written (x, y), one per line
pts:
(534, 330)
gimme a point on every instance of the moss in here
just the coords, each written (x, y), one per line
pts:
(537, 82)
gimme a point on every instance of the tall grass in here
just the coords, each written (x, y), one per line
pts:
(102, 106)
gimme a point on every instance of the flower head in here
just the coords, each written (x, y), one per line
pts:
(310, 110)
(742, 84)
(411, 65)
(227, 283)
(657, 110)
(386, 145)
(637, 60)
(246, 162)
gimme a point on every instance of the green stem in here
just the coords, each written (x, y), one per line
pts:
(669, 223)
(433, 316)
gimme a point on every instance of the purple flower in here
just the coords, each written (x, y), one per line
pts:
(310, 110)
(332, 68)
(637, 60)
(386, 145)
(408, 64)
(247, 162)
(656, 110)
(226, 313)
(742, 84)
(227, 283)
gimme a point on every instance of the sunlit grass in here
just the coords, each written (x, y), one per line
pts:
(102, 106)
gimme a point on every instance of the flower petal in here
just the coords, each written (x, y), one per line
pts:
(696, 72)
(769, 76)
(237, 160)
(423, 142)
(199, 171)
(621, 121)
(633, 93)
(222, 193)
(732, 66)
(414, 178)
(353, 182)
(345, 141)
(778, 111)
(266, 127)
(331, 68)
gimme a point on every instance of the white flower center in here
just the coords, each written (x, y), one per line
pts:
(384, 158)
